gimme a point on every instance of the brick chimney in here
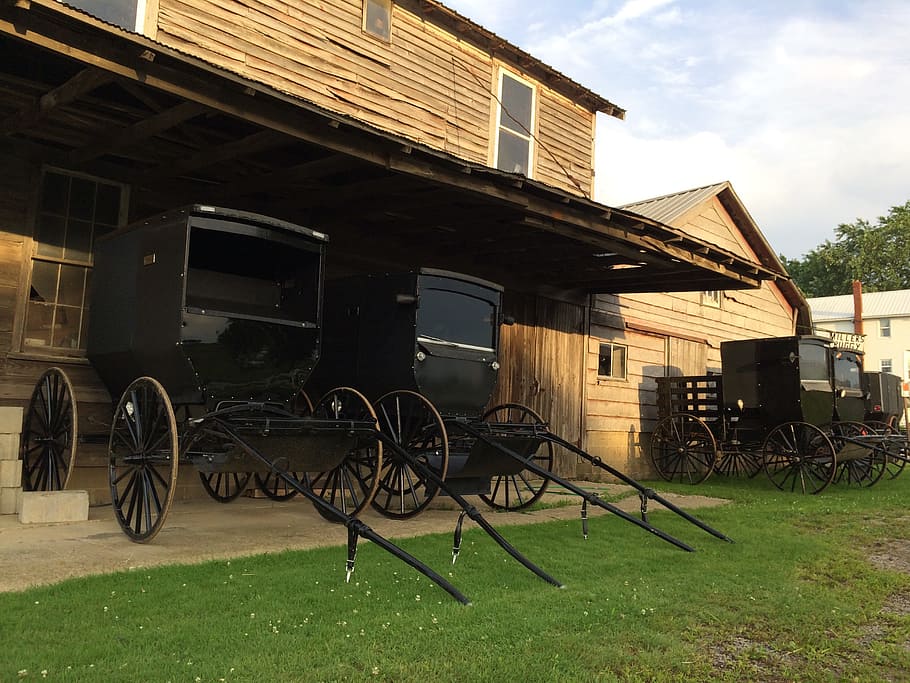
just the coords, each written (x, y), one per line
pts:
(857, 307)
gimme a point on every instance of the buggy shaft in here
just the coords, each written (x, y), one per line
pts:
(586, 495)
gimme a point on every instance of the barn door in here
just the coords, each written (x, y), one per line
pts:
(542, 364)
(686, 357)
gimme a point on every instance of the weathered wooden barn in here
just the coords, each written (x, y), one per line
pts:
(409, 134)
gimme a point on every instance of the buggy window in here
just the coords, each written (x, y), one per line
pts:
(230, 273)
(848, 371)
(813, 362)
(447, 316)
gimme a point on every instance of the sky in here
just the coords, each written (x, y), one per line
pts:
(803, 105)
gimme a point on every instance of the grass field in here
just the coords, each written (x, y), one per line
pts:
(795, 598)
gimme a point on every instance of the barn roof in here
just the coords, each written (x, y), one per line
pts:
(80, 94)
(894, 304)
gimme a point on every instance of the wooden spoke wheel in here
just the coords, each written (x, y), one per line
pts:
(143, 459)
(224, 486)
(48, 448)
(683, 449)
(351, 485)
(895, 443)
(416, 426)
(519, 491)
(738, 463)
(858, 471)
(271, 484)
(799, 457)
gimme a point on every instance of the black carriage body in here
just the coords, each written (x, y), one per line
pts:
(431, 331)
(767, 382)
(218, 305)
(885, 402)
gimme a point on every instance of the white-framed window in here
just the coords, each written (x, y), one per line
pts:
(884, 327)
(711, 298)
(377, 18)
(613, 361)
(74, 210)
(515, 121)
(886, 364)
(128, 14)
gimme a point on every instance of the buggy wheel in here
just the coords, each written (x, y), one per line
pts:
(351, 485)
(683, 449)
(412, 422)
(224, 486)
(271, 484)
(738, 463)
(143, 459)
(895, 444)
(866, 469)
(799, 457)
(48, 448)
(519, 491)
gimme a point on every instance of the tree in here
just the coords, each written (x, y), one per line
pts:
(876, 255)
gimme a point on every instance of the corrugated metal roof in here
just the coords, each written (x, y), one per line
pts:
(671, 206)
(893, 304)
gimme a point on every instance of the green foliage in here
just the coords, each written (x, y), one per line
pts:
(795, 598)
(876, 255)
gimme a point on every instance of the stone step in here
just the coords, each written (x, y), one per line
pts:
(45, 507)
(10, 473)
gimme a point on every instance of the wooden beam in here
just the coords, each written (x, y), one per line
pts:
(126, 137)
(83, 82)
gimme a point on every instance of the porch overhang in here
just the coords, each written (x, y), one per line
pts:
(79, 94)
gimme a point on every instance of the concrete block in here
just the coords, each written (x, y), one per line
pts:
(10, 420)
(9, 446)
(9, 499)
(10, 473)
(43, 507)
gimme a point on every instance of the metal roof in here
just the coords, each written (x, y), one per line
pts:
(671, 206)
(893, 304)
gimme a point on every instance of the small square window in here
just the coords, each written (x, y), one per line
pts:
(884, 327)
(612, 361)
(377, 18)
(711, 298)
(886, 365)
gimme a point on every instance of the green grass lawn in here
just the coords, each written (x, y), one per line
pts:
(794, 598)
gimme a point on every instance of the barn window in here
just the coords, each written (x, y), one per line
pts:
(886, 365)
(377, 18)
(612, 361)
(128, 14)
(711, 298)
(73, 212)
(515, 125)
(884, 327)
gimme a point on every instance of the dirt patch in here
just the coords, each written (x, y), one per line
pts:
(893, 555)
(754, 660)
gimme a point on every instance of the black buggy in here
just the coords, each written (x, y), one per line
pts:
(424, 346)
(205, 324)
(884, 410)
(791, 406)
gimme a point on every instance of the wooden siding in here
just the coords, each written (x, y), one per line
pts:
(424, 84)
(671, 334)
(541, 365)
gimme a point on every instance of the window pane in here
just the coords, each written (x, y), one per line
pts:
(78, 241)
(619, 361)
(50, 234)
(107, 205)
(513, 153)
(813, 362)
(82, 199)
(605, 362)
(66, 327)
(119, 12)
(377, 18)
(44, 282)
(38, 324)
(517, 103)
(455, 317)
(72, 279)
(55, 193)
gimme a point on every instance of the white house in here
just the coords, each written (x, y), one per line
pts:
(886, 324)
